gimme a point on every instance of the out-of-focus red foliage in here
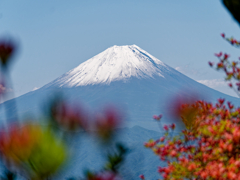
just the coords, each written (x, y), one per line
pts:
(142, 176)
(187, 111)
(157, 117)
(107, 121)
(7, 48)
(2, 88)
(70, 117)
(17, 143)
(32, 149)
(104, 176)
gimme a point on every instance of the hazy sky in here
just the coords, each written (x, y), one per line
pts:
(57, 35)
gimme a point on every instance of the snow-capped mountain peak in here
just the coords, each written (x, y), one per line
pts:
(113, 64)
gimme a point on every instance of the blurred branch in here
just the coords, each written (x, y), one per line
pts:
(233, 7)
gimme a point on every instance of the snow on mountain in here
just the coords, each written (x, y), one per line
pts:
(113, 64)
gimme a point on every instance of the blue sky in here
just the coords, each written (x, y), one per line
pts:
(57, 35)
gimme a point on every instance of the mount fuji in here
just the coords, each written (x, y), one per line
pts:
(127, 76)
(135, 81)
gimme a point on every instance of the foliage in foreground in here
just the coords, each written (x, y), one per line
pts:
(209, 147)
(36, 151)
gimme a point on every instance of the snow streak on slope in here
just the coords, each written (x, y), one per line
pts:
(115, 63)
